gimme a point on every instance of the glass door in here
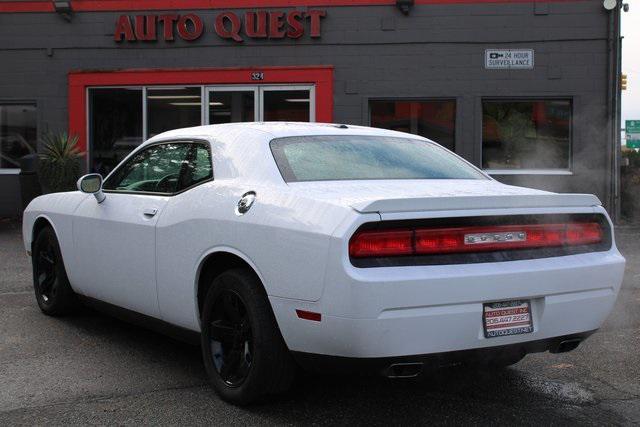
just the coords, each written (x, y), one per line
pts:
(261, 103)
(230, 104)
(170, 108)
(287, 103)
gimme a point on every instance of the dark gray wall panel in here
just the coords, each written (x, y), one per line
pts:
(436, 51)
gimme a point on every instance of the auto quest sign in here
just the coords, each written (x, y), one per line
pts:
(499, 59)
(260, 24)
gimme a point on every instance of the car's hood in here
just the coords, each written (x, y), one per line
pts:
(425, 195)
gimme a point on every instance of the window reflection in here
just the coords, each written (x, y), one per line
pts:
(533, 134)
(18, 133)
(435, 120)
(286, 105)
(115, 126)
(173, 108)
(155, 169)
(353, 157)
(116, 114)
(231, 106)
(163, 168)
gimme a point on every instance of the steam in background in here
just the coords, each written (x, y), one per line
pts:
(631, 61)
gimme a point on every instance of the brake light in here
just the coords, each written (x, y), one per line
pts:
(430, 241)
(382, 243)
(584, 234)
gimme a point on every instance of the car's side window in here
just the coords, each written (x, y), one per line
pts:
(198, 167)
(163, 168)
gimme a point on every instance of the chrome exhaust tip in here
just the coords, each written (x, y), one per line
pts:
(404, 370)
(566, 346)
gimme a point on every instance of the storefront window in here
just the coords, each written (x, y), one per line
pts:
(526, 135)
(435, 119)
(18, 133)
(115, 125)
(286, 105)
(173, 108)
(231, 106)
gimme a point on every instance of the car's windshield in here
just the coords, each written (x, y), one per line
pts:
(356, 157)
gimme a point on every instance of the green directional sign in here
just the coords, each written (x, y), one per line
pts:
(632, 132)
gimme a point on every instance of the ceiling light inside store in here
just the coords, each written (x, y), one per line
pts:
(297, 100)
(152, 89)
(173, 97)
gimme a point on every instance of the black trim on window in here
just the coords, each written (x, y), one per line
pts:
(194, 142)
(480, 257)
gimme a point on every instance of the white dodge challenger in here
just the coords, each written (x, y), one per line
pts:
(325, 246)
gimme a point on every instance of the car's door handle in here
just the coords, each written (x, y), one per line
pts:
(150, 212)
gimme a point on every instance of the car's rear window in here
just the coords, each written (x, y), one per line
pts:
(355, 157)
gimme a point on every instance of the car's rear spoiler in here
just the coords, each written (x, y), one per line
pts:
(418, 204)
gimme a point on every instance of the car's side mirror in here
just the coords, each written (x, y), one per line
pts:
(92, 184)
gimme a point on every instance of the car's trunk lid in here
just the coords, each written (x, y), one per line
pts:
(448, 203)
(395, 196)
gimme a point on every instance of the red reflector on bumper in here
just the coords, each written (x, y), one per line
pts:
(431, 241)
(309, 315)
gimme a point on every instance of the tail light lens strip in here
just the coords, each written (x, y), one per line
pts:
(429, 241)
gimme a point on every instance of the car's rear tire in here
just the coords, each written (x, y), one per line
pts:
(50, 282)
(243, 351)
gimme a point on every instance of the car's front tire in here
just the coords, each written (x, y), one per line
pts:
(50, 282)
(243, 351)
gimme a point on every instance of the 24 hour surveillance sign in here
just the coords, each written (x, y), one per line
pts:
(508, 59)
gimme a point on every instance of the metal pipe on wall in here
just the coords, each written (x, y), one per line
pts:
(613, 112)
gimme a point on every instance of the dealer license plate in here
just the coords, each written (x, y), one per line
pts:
(507, 318)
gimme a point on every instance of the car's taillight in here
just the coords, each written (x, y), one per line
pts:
(430, 241)
(382, 243)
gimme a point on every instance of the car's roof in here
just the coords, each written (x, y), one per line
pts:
(271, 130)
(241, 148)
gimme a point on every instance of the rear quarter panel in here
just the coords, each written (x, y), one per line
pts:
(285, 238)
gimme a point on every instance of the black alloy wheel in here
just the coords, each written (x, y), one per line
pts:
(243, 351)
(50, 282)
(231, 338)
(46, 271)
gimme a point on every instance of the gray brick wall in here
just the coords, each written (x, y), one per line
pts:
(436, 51)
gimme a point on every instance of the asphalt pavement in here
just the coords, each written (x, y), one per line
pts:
(93, 369)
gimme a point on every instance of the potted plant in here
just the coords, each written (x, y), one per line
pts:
(59, 162)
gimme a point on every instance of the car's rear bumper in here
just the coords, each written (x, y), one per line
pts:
(425, 362)
(431, 310)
